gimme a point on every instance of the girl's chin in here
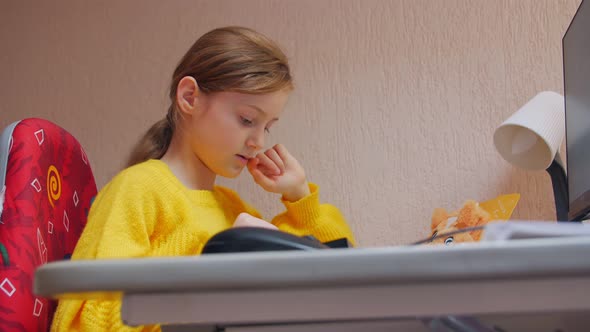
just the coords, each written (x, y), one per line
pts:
(232, 173)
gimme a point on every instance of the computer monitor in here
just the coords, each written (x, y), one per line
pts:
(576, 72)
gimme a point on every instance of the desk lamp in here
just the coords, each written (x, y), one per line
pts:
(530, 139)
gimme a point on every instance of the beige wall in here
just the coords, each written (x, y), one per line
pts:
(395, 106)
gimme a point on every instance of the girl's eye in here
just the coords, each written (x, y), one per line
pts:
(245, 121)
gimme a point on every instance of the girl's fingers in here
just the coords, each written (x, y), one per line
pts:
(259, 177)
(285, 156)
(274, 156)
(267, 165)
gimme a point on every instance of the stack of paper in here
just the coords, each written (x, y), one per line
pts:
(511, 230)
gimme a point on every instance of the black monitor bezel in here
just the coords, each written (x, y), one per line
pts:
(579, 207)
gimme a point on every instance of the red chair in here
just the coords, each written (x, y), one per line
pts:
(49, 187)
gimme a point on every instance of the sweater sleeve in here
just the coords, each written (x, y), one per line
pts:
(120, 222)
(308, 217)
(119, 225)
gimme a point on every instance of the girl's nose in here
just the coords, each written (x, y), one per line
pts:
(256, 141)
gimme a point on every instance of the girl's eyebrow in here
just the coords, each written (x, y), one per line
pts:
(260, 110)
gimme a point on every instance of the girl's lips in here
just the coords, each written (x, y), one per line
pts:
(242, 158)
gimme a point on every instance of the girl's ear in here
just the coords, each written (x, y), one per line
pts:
(187, 95)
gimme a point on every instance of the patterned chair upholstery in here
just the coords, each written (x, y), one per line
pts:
(49, 187)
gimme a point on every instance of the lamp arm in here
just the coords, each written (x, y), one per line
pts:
(560, 191)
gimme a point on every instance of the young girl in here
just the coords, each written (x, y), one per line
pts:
(227, 92)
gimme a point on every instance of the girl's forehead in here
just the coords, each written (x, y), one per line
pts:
(270, 102)
(246, 98)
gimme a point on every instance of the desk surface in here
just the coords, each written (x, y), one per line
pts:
(527, 259)
(331, 285)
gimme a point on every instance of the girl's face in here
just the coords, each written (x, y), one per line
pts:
(229, 128)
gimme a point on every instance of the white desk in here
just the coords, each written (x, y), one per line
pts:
(379, 285)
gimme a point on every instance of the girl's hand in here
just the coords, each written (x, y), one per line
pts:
(246, 220)
(277, 171)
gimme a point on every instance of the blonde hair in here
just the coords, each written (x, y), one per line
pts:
(232, 59)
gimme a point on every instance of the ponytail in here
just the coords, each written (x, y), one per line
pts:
(154, 143)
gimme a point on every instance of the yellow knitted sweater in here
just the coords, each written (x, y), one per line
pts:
(146, 211)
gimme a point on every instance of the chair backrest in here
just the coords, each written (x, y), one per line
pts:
(49, 189)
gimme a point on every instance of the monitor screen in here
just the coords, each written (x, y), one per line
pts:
(576, 65)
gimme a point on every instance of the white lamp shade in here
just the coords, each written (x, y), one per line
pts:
(531, 137)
